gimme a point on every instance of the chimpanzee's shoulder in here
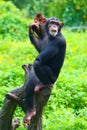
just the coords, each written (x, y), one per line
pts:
(61, 39)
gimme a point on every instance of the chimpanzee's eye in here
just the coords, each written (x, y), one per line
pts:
(53, 22)
(57, 23)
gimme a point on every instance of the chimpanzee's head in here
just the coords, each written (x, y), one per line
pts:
(53, 26)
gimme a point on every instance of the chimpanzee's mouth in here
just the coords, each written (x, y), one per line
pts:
(53, 30)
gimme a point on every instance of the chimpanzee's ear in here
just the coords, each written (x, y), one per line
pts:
(61, 24)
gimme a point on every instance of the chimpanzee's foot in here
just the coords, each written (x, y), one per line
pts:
(41, 86)
(37, 88)
(28, 117)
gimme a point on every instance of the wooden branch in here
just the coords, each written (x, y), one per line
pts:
(15, 97)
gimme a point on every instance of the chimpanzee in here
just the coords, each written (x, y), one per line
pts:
(47, 64)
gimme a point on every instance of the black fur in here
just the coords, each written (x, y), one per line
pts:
(50, 60)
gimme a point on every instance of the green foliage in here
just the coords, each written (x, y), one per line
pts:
(75, 13)
(66, 109)
(11, 22)
(7, 7)
(72, 12)
(67, 106)
(64, 119)
(35, 6)
(13, 25)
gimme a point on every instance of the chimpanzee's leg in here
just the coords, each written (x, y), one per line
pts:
(44, 73)
(29, 99)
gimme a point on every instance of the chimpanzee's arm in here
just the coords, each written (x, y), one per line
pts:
(47, 54)
(35, 40)
(52, 49)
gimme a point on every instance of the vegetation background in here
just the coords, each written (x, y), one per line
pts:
(67, 106)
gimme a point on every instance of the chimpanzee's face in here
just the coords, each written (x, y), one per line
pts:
(53, 27)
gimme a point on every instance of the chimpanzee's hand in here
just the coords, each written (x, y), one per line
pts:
(34, 26)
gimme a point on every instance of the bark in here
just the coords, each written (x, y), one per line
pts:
(15, 97)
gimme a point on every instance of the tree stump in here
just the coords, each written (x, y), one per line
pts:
(16, 97)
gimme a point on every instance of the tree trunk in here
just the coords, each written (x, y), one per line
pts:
(15, 97)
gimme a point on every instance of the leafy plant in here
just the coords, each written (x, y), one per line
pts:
(14, 26)
(67, 106)
(75, 13)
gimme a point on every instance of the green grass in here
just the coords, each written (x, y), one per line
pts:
(67, 106)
